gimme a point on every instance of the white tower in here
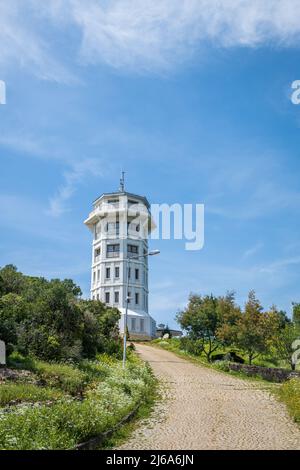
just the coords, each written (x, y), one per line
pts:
(120, 222)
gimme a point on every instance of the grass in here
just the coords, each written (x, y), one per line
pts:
(63, 376)
(20, 392)
(144, 411)
(110, 393)
(289, 393)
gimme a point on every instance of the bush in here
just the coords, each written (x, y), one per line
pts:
(222, 365)
(290, 394)
(64, 376)
(18, 392)
(68, 422)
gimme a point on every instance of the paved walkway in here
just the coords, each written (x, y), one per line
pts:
(207, 409)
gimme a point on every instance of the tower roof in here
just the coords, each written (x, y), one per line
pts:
(123, 193)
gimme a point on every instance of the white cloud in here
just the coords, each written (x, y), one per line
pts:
(72, 178)
(22, 44)
(142, 35)
(252, 251)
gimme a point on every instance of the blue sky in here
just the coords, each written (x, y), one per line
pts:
(192, 100)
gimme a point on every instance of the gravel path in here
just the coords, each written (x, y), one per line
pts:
(207, 409)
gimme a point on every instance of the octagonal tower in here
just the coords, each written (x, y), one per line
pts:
(120, 223)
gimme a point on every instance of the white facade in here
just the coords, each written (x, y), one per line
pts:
(120, 223)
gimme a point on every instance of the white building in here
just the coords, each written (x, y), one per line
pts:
(120, 223)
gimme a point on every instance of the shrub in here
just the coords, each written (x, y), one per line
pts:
(18, 392)
(66, 377)
(290, 393)
(222, 365)
(68, 422)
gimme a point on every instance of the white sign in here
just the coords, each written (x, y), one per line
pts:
(2, 353)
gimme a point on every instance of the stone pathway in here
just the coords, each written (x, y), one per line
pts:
(206, 409)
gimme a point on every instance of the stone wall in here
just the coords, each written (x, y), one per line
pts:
(268, 373)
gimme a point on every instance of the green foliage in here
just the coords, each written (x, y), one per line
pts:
(111, 395)
(191, 346)
(296, 313)
(202, 319)
(66, 377)
(25, 392)
(289, 392)
(48, 320)
(283, 343)
(217, 322)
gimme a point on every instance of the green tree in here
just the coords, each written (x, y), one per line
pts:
(13, 310)
(296, 313)
(253, 332)
(201, 319)
(100, 330)
(284, 343)
(229, 314)
(11, 281)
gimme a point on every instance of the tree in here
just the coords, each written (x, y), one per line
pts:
(11, 281)
(201, 319)
(296, 313)
(100, 331)
(284, 343)
(229, 314)
(13, 310)
(253, 329)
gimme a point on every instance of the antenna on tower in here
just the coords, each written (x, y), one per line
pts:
(122, 183)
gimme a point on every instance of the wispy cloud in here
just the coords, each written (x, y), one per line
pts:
(22, 43)
(252, 250)
(72, 178)
(156, 35)
(141, 35)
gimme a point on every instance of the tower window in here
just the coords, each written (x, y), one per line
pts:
(142, 324)
(117, 271)
(116, 297)
(133, 249)
(136, 274)
(107, 297)
(113, 227)
(113, 251)
(97, 253)
(129, 297)
(107, 273)
(98, 274)
(136, 298)
(133, 324)
(94, 276)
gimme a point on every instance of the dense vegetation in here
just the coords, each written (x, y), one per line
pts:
(75, 403)
(64, 383)
(217, 323)
(49, 320)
